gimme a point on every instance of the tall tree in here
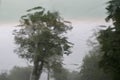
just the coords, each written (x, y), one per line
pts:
(40, 37)
(90, 68)
(109, 40)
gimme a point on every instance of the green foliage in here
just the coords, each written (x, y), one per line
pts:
(17, 73)
(90, 68)
(20, 73)
(109, 39)
(113, 10)
(59, 73)
(74, 75)
(4, 76)
(41, 36)
(41, 32)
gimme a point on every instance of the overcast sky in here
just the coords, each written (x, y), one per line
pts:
(11, 10)
(84, 14)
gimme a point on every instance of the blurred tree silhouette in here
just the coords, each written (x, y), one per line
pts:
(41, 37)
(109, 39)
(4, 76)
(90, 68)
(17, 73)
(74, 75)
(59, 73)
(20, 73)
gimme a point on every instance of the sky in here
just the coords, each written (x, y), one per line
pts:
(11, 10)
(85, 15)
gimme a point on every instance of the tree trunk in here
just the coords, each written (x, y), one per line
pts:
(37, 71)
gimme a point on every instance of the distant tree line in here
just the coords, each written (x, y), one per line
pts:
(17, 73)
(24, 73)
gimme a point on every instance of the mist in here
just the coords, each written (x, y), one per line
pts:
(85, 17)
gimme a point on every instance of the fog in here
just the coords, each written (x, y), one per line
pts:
(85, 16)
(78, 36)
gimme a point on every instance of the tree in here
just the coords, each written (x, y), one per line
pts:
(90, 68)
(40, 37)
(20, 73)
(17, 73)
(59, 72)
(109, 40)
(74, 75)
(4, 76)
